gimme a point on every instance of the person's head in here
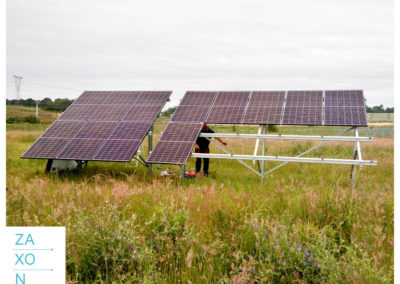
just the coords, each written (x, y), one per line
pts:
(205, 127)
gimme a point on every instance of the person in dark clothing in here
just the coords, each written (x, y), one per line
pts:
(201, 146)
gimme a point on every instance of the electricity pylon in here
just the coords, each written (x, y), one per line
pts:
(17, 80)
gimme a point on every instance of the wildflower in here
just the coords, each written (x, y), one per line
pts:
(284, 262)
(266, 234)
(132, 248)
(298, 246)
(88, 222)
(279, 244)
(307, 253)
(304, 262)
(256, 244)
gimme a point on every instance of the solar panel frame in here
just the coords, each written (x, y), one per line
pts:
(45, 148)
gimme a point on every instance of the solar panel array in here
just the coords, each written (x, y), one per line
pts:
(257, 107)
(101, 126)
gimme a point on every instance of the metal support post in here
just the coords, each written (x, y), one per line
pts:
(257, 142)
(356, 152)
(184, 171)
(48, 166)
(262, 168)
(150, 149)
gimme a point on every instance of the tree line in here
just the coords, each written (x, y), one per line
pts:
(46, 103)
(62, 104)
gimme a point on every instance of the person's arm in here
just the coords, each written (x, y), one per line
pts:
(221, 141)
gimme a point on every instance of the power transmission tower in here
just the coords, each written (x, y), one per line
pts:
(17, 80)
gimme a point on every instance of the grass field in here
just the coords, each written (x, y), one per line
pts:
(380, 117)
(304, 224)
(21, 111)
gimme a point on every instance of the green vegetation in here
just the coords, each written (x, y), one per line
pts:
(46, 103)
(19, 119)
(379, 109)
(304, 224)
(381, 117)
(18, 114)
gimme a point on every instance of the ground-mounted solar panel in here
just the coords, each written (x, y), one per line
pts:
(303, 108)
(143, 112)
(46, 148)
(190, 113)
(258, 107)
(96, 129)
(126, 98)
(93, 97)
(345, 116)
(232, 99)
(176, 131)
(110, 112)
(118, 150)
(303, 115)
(344, 108)
(198, 98)
(350, 98)
(304, 98)
(81, 149)
(171, 152)
(154, 97)
(63, 129)
(225, 115)
(79, 112)
(267, 99)
(131, 129)
(121, 117)
(263, 115)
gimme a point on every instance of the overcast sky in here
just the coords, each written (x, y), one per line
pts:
(200, 45)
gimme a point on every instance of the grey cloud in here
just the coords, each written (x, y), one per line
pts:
(181, 45)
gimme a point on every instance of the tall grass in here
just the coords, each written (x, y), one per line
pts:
(303, 224)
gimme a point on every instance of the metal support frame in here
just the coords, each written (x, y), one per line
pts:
(150, 149)
(298, 159)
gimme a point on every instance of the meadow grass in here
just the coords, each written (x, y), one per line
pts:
(304, 224)
(21, 111)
